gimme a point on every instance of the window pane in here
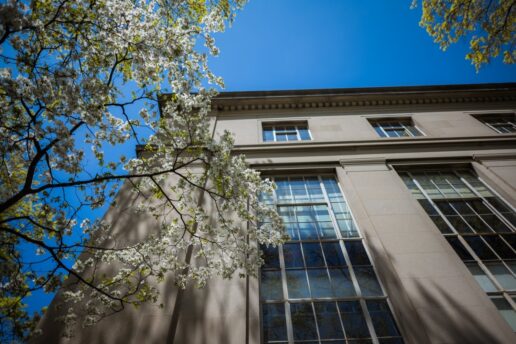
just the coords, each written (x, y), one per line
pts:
(506, 311)
(429, 208)
(281, 137)
(480, 248)
(357, 253)
(292, 137)
(341, 283)
(383, 321)
(303, 322)
(462, 208)
(297, 285)
(378, 129)
(499, 246)
(441, 224)
(367, 281)
(502, 275)
(458, 223)
(328, 320)
(459, 248)
(270, 257)
(271, 285)
(477, 224)
(274, 326)
(353, 319)
(511, 239)
(326, 230)
(495, 223)
(303, 133)
(313, 255)
(481, 277)
(445, 208)
(293, 256)
(333, 254)
(319, 283)
(268, 134)
(307, 230)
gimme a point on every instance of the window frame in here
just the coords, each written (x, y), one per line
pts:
(298, 126)
(361, 300)
(405, 123)
(483, 264)
(492, 121)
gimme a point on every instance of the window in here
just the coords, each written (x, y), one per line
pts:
(500, 122)
(478, 225)
(281, 132)
(320, 287)
(395, 127)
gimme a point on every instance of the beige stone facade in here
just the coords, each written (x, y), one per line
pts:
(433, 296)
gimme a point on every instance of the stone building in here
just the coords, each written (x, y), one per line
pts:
(400, 206)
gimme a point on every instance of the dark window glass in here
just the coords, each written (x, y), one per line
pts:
(495, 223)
(458, 223)
(274, 326)
(357, 253)
(383, 322)
(341, 283)
(441, 224)
(479, 207)
(477, 224)
(271, 285)
(353, 319)
(429, 208)
(511, 239)
(462, 208)
(445, 208)
(459, 248)
(270, 257)
(303, 322)
(313, 255)
(367, 281)
(499, 246)
(333, 254)
(480, 248)
(293, 256)
(319, 283)
(328, 320)
(297, 284)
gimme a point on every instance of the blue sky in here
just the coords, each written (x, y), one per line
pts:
(305, 44)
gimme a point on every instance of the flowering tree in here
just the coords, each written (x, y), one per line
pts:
(73, 72)
(491, 25)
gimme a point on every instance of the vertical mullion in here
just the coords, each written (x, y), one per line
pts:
(286, 304)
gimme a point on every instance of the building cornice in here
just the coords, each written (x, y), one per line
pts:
(364, 97)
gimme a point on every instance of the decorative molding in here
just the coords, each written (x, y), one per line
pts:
(371, 97)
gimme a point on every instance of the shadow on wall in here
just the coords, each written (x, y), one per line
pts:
(447, 320)
(214, 314)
